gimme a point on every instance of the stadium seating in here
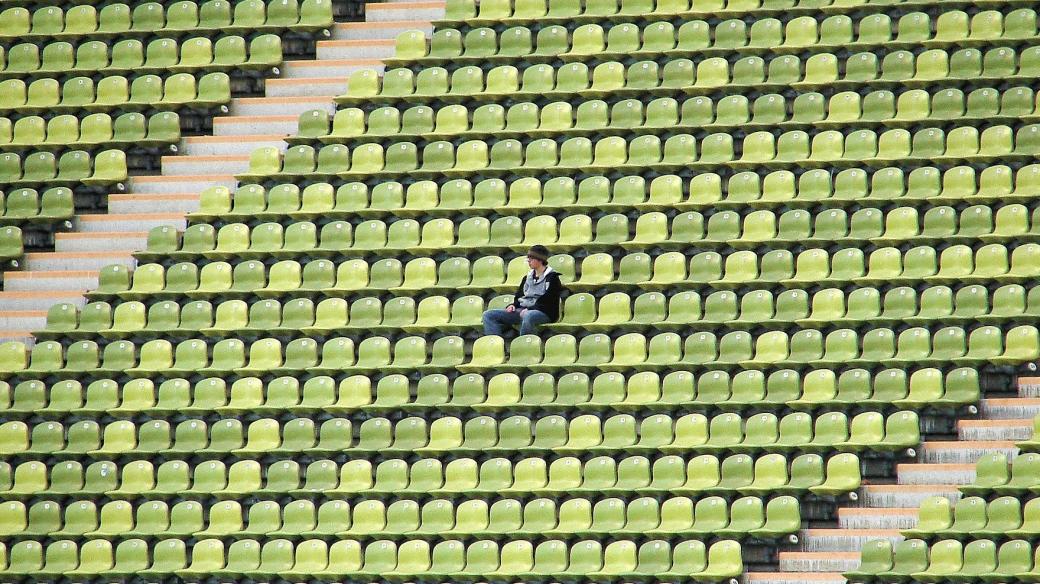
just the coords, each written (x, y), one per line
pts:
(682, 75)
(615, 310)
(988, 533)
(843, 109)
(116, 93)
(95, 129)
(29, 60)
(704, 474)
(74, 166)
(119, 20)
(369, 518)
(791, 149)
(814, 390)
(797, 236)
(413, 558)
(725, 432)
(95, 78)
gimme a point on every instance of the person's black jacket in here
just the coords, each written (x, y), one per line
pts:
(549, 303)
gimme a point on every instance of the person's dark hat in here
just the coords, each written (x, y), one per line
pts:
(539, 252)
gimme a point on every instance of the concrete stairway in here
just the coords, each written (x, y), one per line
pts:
(99, 240)
(882, 510)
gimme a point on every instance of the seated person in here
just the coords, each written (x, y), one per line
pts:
(537, 300)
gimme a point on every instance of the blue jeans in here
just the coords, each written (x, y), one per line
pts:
(497, 321)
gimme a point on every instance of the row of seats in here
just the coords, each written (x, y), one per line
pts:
(346, 558)
(29, 206)
(1012, 222)
(148, 18)
(134, 319)
(458, 12)
(228, 356)
(616, 311)
(646, 390)
(725, 229)
(60, 58)
(947, 560)
(923, 263)
(671, 474)
(584, 434)
(845, 108)
(745, 517)
(73, 167)
(575, 232)
(876, 188)
(726, 36)
(709, 75)
(116, 93)
(998, 474)
(632, 351)
(249, 278)
(814, 267)
(671, 271)
(972, 516)
(794, 148)
(98, 129)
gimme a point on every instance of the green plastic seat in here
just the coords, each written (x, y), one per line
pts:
(842, 475)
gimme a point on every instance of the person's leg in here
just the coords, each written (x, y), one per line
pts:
(497, 321)
(531, 320)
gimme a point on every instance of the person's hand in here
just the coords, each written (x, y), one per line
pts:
(523, 311)
(510, 308)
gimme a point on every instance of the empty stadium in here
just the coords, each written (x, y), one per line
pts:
(248, 247)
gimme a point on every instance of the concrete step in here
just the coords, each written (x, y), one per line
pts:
(247, 127)
(196, 165)
(794, 578)
(142, 203)
(355, 49)
(905, 496)
(24, 337)
(818, 561)
(935, 474)
(39, 300)
(229, 145)
(87, 260)
(372, 30)
(97, 241)
(162, 185)
(843, 540)
(281, 106)
(877, 517)
(328, 68)
(963, 451)
(1029, 386)
(396, 11)
(324, 87)
(1010, 430)
(132, 222)
(50, 281)
(1019, 408)
(23, 320)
